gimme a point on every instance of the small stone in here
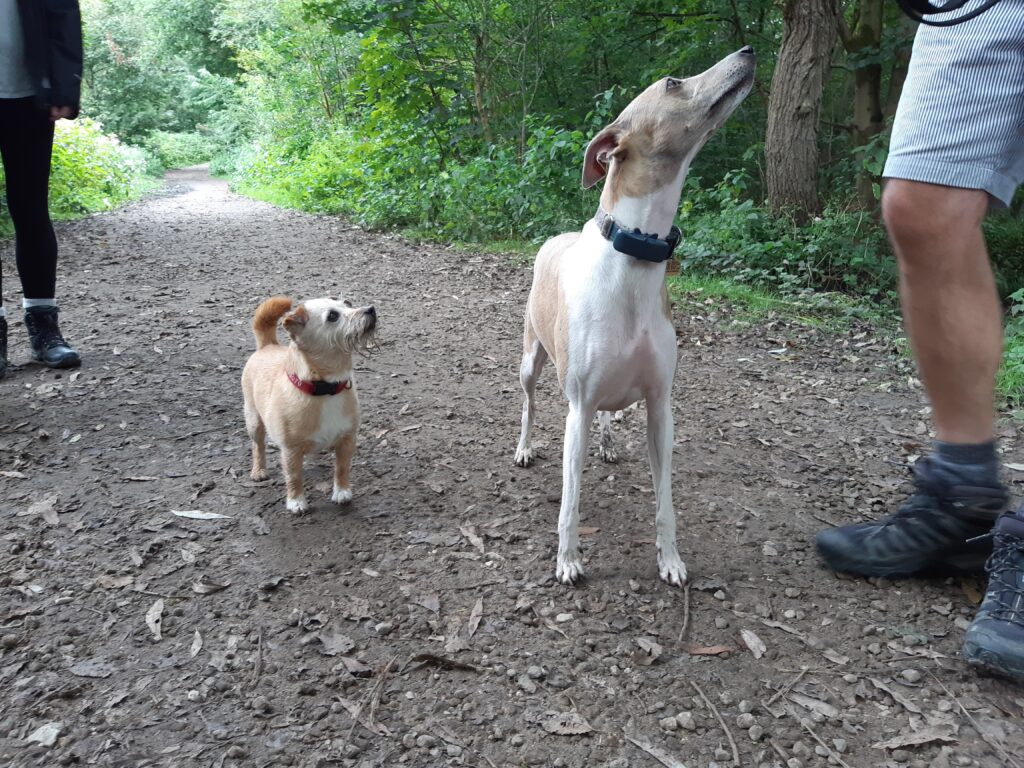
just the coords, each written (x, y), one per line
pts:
(453, 750)
(516, 740)
(840, 745)
(756, 733)
(794, 762)
(719, 595)
(236, 752)
(9, 641)
(384, 628)
(426, 741)
(745, 706)
(745, 720)
(535, 672)
(821, 751)
(721, 753)
(193, 695)
(911, 675)
(562, 618)
(721, 622)
(526, 684)
(769, 549)
(901, 756)
(851, 679)
(668, 723)
(686, 721)
(409, 740)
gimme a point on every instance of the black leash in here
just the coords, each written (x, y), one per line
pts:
(918, 10)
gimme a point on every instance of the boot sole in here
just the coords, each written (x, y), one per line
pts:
(70, 362)
(994, 662)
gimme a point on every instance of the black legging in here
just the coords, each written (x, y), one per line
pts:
(26, 141)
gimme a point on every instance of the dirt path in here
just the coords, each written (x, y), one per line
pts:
(780, 429)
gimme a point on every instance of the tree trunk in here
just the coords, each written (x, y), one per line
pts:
(809, 34)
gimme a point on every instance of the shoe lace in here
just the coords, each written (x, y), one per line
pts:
(1004, 568)
(49, 332)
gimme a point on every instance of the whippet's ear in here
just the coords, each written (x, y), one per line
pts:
(599, 155)
(295, 321)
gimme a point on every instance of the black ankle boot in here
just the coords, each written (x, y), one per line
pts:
(48, 346)
(3, 347)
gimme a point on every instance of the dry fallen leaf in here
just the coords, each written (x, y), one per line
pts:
(197, 644)
(46, 734)
(474, 618)
(93, 668)
(707, 650)
(206, 587)
(355, 667)
(198, 514)
(47, 509)
(153, 618)
(754, 643)
(114, 582)
(470, 533)
(648, 652)
(945, 733)
(14, 474)
(335, 643)
(565, 723)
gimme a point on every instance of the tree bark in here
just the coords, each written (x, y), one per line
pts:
(810, 28)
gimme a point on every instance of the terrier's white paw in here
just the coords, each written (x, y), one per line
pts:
(569, 568)
(341, 495)
(258, 474)
(524, 457)
(672, 569)
(297, 505)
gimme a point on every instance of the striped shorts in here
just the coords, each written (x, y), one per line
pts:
(960, 120)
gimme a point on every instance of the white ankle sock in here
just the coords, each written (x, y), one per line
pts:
(26, 303)
(3, 311)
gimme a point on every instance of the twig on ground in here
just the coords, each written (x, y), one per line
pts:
(779, 751)
(786, 688)
(686, 614)
(1010, 761)
(721, 722)
(258, 665)
(817, 738)
(657, 753)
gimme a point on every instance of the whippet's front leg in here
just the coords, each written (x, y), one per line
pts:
(534, 356)
(660, 436)
(569, 565)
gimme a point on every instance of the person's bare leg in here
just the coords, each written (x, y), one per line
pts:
(950, 305)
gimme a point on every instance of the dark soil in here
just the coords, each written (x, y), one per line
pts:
(428, 607)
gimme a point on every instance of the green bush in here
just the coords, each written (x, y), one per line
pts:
(1005, 237)
(727, 235)
(90, 172)
(179, 150)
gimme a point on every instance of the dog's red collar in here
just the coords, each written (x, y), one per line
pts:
(320, 387)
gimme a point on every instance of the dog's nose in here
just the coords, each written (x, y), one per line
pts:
(370, 311)
(747, 49)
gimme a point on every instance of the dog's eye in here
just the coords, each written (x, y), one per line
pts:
(332, 316)
(347, 303)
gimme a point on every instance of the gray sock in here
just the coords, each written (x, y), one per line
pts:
(967, 464)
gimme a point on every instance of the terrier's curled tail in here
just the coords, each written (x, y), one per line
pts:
(264, 324)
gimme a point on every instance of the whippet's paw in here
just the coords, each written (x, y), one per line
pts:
(341, 495)
(672, 570)
(258, 474)
(525, 457)
(569, 569)
(297, 505)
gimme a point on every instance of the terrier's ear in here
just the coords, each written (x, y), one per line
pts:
(296, 320)
(599, 155)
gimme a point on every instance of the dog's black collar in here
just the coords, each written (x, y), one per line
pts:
(636, 243)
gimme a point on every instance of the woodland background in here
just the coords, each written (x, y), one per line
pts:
(466, 121)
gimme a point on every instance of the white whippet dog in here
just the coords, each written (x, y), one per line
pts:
(598, 306)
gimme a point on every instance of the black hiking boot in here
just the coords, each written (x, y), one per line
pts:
(48, 346)
(940, 529)
(3, 347)
(996, 638)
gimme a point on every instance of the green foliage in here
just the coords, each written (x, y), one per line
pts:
(179, 150)
(1011, 375)
(91, 171)
(724, 233)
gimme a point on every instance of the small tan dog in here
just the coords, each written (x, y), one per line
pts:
(303, 395)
